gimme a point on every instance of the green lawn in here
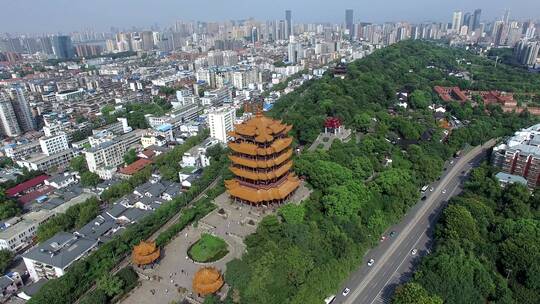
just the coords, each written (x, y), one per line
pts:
(208, 248)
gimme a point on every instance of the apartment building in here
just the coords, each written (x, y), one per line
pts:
(221, 122)
(51, 258)
(520, 155)
(108, 155)
(54, 144)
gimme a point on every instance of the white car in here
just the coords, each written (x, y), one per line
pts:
(444, 191)
(370, 263)
(414, 251)
(345, 292)
(431, 189)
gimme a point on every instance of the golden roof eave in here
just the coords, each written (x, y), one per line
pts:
(251, 149)
(262, 176)
(261, 163)
(258, 196)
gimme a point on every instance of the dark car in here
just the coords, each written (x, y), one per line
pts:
(424, 198)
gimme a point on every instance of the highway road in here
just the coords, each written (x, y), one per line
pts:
(394, 261)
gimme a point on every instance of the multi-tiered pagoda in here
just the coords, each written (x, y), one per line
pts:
(261, 161)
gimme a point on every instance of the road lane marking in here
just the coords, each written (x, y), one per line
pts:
(454, 171)
(407, 256)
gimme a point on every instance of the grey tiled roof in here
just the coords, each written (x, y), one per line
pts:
(61, 250)
(98, 227)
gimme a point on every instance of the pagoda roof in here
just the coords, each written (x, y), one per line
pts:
(253, 149)
(254, 195)
(261, 163)
(262, 175)
(260, 127)
(207, 280)
(145, 253)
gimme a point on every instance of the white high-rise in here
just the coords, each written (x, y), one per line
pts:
(8, 120)
(456, 21)
(221, 121)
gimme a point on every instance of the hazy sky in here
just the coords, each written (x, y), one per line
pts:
(68, 15)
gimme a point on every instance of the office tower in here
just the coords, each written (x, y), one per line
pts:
(506, 17)
(349, 22)
(147, 38)
(22, 109)
(456, 21)
(254, 34)
(468, 20)
(8, 120)
(499, 33)
(476, 18)
(282, 30)
(288, 20)
(221, 122)
(62, 47)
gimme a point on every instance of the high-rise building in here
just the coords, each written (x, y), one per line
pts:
(22, 109)
(221, 122)
(457, 19)
(526, 52)
(468, 20)
(288, 21)
(476, 19)
(506, 16)
(8, 120)
(499, 33)
(62, 47)
(349, 22)
(147, 38)
(294, 51)
(88, 50)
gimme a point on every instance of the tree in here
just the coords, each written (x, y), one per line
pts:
(97, 296)
(293, 214)
(130, 156)
(6, 257)
(362, 121)
(413, 293)
(78, 163)
(87, 212)
(111, 285)
(420, 99)
(346, 200)
(89, 179)
(9, 209)
(459, 225)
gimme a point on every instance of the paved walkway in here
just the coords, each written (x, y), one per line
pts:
(172, 278)
(325, 140)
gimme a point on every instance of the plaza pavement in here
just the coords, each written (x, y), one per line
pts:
(171, 279)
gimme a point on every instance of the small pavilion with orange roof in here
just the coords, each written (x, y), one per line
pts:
(145, 253)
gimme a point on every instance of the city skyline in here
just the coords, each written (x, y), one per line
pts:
(101, 15)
